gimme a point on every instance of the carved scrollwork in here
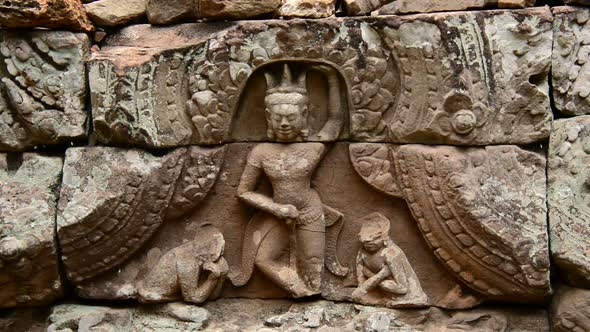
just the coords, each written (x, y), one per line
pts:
(42, 88)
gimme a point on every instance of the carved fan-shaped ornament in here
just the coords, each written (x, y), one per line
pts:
(116, 229)
(481, 210)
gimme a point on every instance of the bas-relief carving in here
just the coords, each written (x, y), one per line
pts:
(294, 219)
(113, 201)
(481, 210)
(28, 253)
(42, 88)
(384, 275)
(460, 66)
(569, 211)
(195, 269)
(475, 83)
(571, 86)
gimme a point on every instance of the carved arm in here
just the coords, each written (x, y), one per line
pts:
(333, 126)
(246, 192)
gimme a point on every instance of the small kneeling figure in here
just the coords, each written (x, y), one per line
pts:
(195, 269)
(384, 274)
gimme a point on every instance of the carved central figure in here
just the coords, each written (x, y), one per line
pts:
(286, 240)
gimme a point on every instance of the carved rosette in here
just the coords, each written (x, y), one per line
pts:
(113, 201)
(42, 88)
(481, 210)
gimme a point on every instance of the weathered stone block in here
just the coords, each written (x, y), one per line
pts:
(307, 8)
(42, 88)
(571, 71)
(55, 14)
(569, 184)
(113, 200)
(167, 12)
(454, 78)
(115, 12)
(28, 253)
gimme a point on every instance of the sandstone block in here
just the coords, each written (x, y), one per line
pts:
(308, 8)
(569, 154)
(43, 88)
(571, 85)
(54, 14)
(28, 252)
(478, 83)
(167, 12)
(115, 12)
(113, 200)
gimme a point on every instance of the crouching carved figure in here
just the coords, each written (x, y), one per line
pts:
(195, 269)
(384, 274)
(294, 234)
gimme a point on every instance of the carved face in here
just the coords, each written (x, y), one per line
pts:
(286, 120)
(373, 241)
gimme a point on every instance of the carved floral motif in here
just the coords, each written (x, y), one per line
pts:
(43, 87)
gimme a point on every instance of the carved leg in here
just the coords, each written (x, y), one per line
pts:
(310, 257)
(161, 283)
(391, 286)
(271, 261)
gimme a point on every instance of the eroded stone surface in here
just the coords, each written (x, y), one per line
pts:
(115, 12)
(42, 88)
(168, 317)
(56, 14)
(496, 92)
(113, 200)
(570, 310)
(28, 253)
(167, 12)
(569, 213)
(482, 210)
(571, 72)
(362, 7)
(280, 315)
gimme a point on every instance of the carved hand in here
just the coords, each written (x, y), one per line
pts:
(359, 293)
(217, 269)
(286, 211)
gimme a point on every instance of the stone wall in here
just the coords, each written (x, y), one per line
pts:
(356, 165)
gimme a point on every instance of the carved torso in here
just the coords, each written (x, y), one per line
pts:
(289, 167)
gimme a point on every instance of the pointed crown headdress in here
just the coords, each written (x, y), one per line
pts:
(288, 90)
